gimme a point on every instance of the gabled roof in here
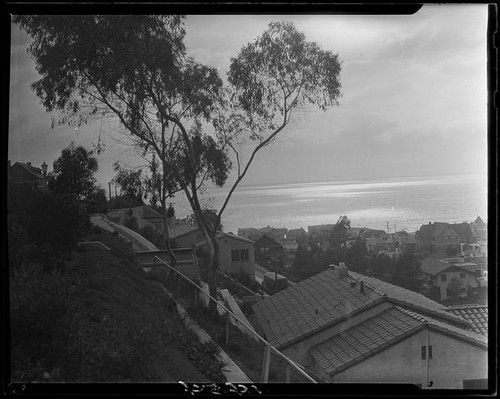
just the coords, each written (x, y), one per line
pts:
(426, 230)
(478, 220)
(379, 333)
(477, 315)
(365, 339)
(265, 237)
(411, 300)
(433, 266)
(463, 230)
(36, 172)
(310, 306)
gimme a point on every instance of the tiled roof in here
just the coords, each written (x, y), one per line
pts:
(311, 306)
(433, 266)
(477, 315)
(378, 333)
(410, 299)
(364, 339)
(37, 172)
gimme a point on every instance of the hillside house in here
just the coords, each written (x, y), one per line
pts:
(236, 254)
(442, 280)
(346, 327)
(143, 214)
(268, 250)
(26, 174)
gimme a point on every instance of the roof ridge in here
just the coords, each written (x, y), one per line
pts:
(369, 286)
(416, 316)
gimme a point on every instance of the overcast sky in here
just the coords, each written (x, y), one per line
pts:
(414, 98)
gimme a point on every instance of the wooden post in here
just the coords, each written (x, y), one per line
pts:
(265, 363)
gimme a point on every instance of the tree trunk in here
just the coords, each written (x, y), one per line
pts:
(173, 259)
(213, 265)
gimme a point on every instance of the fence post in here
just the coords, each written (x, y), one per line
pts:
(265, 362)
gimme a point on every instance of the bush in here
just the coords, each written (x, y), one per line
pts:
(52, 223)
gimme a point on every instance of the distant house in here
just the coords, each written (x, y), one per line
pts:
(442, 280)
(277, 233)
(478, 229)
(346, 327)
(236, 254)
(249, 232)
(268, 250)
(441, 236)
(143, 214)
(296, 234)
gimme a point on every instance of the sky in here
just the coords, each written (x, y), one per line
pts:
(414, 98)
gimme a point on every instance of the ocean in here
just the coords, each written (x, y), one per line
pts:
(397, 203)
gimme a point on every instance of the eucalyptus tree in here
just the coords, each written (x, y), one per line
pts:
(136, 69)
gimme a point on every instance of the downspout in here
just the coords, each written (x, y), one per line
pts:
(427, 357)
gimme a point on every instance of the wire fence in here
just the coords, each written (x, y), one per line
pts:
(257, 358)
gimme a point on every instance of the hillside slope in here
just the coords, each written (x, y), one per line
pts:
(98, 318)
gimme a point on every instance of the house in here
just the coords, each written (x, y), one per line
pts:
(478, 229)
(346, 327)
(477, 249)
(296, 234)
(277, 233)
(143, 214)
(289, 250)
(26, 174)
(236, 254)
(440, 236)
(268, 250)
(442, 280)
(251, 233)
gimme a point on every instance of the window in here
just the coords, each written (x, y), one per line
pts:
(462, 275)
(423, 352)
(235, 255)
(443, 277)
(243, 254)
(239, 255)
(430, 351)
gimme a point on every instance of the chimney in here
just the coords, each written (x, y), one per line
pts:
(342, 270)
(28, 163)
(362, 288)
(44, 168)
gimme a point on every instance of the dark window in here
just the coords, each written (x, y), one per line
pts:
(235, 255)
(243, 254)
(430, 351)
(423, 352)
(443, 277)
(462, 275)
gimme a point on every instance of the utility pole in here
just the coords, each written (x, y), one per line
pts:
(109, 190)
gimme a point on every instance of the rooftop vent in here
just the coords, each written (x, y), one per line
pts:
(342, 270)
(362, 287)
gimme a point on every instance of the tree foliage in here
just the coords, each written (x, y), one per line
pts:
(73, 173)
(135, 68)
